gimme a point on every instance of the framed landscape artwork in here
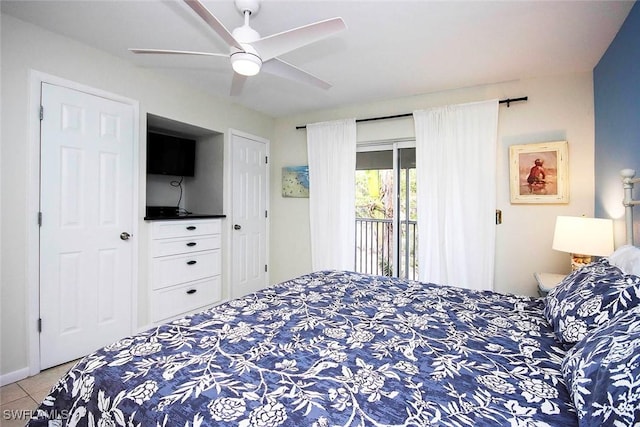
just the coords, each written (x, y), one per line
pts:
(539, 172)
(295, 181)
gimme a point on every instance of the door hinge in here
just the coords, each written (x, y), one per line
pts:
(266, 159)
(266, 214)
(265, 268)
(40, 325)
(39, 219)
(41, 112)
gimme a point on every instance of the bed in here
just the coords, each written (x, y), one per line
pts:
(338, 348)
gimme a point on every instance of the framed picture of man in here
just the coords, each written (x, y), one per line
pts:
(539, 172)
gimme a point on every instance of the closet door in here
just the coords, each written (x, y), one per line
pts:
(86, 203)
(249, 270)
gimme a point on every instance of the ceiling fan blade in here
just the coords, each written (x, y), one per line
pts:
(175, 52)
(213, 22)
(237, 84)
(278, 67)
(278, 44)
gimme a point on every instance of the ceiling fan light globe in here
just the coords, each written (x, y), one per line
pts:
(246, 64)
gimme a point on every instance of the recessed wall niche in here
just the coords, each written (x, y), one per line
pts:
(201, 193)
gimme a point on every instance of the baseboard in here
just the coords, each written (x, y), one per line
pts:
(12, 377)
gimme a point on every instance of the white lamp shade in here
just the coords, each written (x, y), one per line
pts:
(586, 236)
(246, 64)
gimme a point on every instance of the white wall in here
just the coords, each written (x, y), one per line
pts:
(209, 159)
(25, 47)
(559, 108)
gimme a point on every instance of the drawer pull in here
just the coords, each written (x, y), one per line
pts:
(191, 227)
(191, 262)
(191, 244)
(192, 291)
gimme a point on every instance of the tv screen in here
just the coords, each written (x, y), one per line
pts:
(170, 155)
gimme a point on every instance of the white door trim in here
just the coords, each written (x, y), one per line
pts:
(36, 78)
(228, 203)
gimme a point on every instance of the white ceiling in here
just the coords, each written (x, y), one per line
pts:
(391, 48)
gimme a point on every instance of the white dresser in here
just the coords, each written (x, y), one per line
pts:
(186, 266)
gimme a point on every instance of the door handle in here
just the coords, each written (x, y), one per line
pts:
(237, 227)
(124, 235)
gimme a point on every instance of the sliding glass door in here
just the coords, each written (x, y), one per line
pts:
(386, 229)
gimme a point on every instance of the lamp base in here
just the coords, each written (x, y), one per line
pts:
(579, 261)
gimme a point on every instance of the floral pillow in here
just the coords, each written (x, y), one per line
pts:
(602, 373)
(589, 297)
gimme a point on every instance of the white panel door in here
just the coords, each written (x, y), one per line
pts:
(249, 215)
(86, 200)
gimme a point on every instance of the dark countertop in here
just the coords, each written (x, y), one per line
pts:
(182, 216)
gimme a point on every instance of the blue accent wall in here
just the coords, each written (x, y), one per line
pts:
(616, 81)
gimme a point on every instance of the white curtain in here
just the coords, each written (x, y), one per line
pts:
(456, 179)
(331, 148)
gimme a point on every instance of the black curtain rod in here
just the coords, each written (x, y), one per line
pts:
(507, 101)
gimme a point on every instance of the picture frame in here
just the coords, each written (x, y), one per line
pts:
(295, 181)
(539, 172)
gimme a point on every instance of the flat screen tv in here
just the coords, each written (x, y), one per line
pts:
(170, 155)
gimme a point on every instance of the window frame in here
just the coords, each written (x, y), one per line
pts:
(394, 145)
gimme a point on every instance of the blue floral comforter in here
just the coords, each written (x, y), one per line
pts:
(329, 349)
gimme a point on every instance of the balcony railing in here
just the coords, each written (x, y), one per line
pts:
(375, 248)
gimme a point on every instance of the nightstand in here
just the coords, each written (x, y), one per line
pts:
(547, 281)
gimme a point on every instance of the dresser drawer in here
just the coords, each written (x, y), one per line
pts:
(185, 228)
(177, 300)
(181, 245)
(172, 270)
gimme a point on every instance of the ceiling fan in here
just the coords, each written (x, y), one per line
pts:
(249, 53)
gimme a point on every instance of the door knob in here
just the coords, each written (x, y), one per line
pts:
(124, 235)
(237, 227)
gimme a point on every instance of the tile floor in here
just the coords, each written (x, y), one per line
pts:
(18, 399)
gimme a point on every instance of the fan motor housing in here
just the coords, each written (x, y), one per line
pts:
(245, 34)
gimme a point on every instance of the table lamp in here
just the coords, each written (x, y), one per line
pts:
(583, 237)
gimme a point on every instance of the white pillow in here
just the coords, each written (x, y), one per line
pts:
(627, 259)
